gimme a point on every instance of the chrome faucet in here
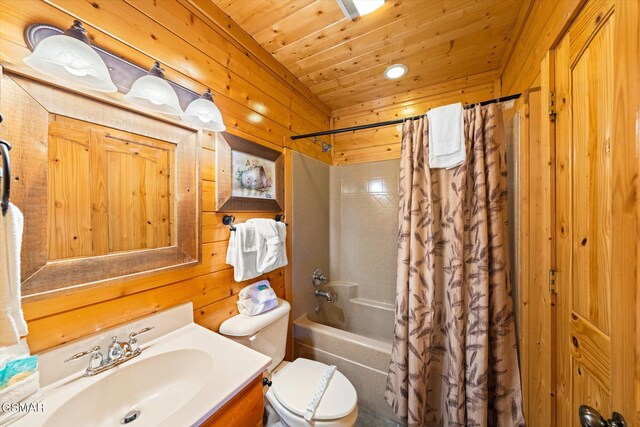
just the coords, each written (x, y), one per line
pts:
(324, 294)
(117, 353)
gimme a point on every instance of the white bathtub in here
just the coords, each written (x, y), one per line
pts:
(355, 335)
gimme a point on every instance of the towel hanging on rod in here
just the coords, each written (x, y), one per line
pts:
(228, 220)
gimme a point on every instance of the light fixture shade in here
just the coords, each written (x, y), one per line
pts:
(153, 92)
(203, 113)
(355, 8)
(71, 58)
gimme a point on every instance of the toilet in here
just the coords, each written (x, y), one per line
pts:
(293, 384)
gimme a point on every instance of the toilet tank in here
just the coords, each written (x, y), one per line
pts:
(265, 333)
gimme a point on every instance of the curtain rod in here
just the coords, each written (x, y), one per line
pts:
(394, 122)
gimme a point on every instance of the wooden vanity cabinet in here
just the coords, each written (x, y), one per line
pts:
(245, 409)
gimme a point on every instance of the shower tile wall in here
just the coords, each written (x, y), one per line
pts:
(364, 227)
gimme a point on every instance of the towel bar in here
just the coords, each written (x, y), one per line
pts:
(228, 220)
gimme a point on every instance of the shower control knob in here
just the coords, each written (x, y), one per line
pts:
(318, 279)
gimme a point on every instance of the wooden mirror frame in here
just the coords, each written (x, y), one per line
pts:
(27, 106)
(225, 201)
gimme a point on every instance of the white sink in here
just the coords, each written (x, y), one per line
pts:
(180, 379)
(156, 387)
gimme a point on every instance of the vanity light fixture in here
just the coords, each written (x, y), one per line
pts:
(108, 72)
(355, 8)
(204, 113)
(154, 93)
(395, 71)
(70, 57)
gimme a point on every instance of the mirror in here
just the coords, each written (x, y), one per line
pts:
(106, 192)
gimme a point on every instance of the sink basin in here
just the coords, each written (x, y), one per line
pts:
(184, 374)
(150, 390)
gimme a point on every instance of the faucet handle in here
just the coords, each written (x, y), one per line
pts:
(95, 351)
(94, 362)
(133, 341)
(140, 332)
(115, 351)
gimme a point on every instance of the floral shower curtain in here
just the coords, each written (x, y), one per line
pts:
(454, 359)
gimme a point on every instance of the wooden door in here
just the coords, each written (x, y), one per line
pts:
(590, 170)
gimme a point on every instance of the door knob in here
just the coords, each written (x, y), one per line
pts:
(590, 417)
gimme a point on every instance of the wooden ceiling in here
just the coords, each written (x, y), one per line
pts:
(342, 60)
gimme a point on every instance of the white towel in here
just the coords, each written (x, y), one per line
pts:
(272, 251)
(446, 136)
(242, 252)
(12, 324)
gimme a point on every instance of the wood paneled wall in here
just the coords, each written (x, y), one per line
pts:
(542, 25)
(384, 143)
(259, 99)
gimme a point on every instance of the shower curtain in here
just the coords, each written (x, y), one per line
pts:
(454, 359)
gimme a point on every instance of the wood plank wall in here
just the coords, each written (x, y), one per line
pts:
(542, 25)
(384, 143)
(260, 101)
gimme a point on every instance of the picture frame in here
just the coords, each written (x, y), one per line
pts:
(249, 176)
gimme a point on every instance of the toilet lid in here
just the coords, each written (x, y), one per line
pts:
(295, 386)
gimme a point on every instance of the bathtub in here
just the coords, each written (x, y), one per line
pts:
(354, 334)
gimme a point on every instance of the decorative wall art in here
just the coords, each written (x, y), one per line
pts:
(249, 176)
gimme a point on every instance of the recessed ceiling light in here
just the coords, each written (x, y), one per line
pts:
(355, 8)
(395, 71)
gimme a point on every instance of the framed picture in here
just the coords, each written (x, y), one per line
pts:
(249, 176)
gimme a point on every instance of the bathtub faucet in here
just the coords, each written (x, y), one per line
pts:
(324, 294)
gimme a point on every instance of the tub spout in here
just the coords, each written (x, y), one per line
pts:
(324, 294)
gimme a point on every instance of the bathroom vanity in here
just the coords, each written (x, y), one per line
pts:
(185, 375)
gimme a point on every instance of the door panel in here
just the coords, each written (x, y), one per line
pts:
(584, 94)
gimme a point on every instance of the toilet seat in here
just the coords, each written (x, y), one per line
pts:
(293, 389)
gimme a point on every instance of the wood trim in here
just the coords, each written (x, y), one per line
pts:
(563, 233)
(534, 255)
(523, 211)
(547, 230)
(625, 218)
(288, 270)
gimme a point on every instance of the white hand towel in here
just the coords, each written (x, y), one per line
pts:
(447, 147)
(242, 252)
(272, 251)
(12, 324)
